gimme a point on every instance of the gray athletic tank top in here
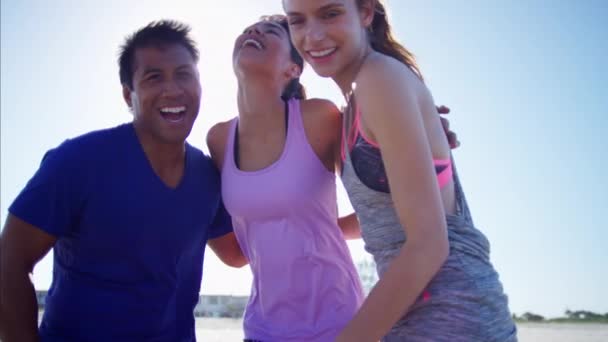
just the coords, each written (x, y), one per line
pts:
(465, 300)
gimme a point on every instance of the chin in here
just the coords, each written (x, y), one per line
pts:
(324, 72)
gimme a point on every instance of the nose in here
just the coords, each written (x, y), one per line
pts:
(253, 30)
(315, 32)
(172, 89)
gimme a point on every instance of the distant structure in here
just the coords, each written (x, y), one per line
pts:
(234, 306)
(220, 306)
(41, 299)
(207, 306)
(367, 273)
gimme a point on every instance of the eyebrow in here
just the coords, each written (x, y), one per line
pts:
(184, 66)
(149, 70)
(330, 6)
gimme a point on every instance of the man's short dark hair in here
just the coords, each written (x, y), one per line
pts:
(156, 33)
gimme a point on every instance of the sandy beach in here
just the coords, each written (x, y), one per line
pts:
(226, 330)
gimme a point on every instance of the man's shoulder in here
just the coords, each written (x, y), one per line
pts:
(91, 144)
(104, 136)
(197, 154)
(200, 160)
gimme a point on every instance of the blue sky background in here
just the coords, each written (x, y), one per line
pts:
(526, 81)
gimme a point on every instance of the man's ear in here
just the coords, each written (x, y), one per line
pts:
(126, 95)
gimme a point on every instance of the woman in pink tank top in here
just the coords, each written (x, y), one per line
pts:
(278, 183)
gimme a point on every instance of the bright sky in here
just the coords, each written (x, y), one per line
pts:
(526, 81)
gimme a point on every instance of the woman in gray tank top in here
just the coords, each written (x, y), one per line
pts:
(436, 280)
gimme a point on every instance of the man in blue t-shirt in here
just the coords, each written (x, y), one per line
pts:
(127, 211)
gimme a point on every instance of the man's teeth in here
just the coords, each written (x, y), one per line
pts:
(173, 110)
(322, 53)
(253, 42)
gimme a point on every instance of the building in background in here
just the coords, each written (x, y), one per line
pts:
(367, 273)
(234, 306)
(220, 306)
(207, 306)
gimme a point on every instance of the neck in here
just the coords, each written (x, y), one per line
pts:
(345, 78)
(165, 158)
(257, 108)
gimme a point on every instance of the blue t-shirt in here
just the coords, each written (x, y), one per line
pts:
(129, 252)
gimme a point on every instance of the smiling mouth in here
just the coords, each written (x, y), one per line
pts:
(319, 54)
(173, 114)
(252, 42)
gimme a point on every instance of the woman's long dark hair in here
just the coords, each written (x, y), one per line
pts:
(294, 88)
(382, 39)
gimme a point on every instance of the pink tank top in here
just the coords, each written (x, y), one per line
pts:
(305, 286)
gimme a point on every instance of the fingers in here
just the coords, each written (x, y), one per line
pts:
(453, 140)
(445, 123)
(443, 109)
(452, 137)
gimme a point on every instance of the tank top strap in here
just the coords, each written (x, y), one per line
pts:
(295, 127)
(348, 118)
(463, 207)
(229, 163)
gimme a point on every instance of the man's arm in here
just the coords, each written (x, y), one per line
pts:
(227, 248)
(350, 227)
(22, 245)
